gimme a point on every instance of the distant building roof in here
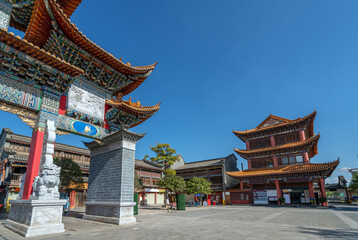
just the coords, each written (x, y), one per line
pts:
(202, 164)
(147, 164)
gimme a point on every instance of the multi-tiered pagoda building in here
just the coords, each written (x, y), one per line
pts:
(278, 154)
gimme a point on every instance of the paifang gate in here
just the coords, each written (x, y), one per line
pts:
(56, 73)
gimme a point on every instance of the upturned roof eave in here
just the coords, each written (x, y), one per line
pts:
(242, 134)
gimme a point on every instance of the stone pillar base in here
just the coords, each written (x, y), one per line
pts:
(31, 218)
(110, 212)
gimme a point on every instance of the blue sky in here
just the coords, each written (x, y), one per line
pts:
(227, 65)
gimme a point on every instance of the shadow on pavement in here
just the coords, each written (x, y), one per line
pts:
(346, 208)
(4, 216)
(74, 214)
(335, 234)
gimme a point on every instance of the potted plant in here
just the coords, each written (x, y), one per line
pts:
(322, 200)
(282, 200)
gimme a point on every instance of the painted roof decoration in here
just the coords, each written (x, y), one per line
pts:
(38, 54)
(22, 11)
(309, 145)
(49, 28)
(51, 38)
(273, 124)
(284, 170)
(127, 113)
(46, 25)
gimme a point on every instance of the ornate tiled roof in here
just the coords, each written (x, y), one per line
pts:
(22, 11)
(82, 41)
(128, 114)
(37, 53)
(40, 27)
(306, 144)
(273, 117)
(132, 107)
(290, 169)
(282, 123)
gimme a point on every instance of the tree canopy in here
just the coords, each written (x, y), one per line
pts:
(172, 183)
(70, 173)
(198, 186)
(138, 185)
(354, 181)
(165, 156)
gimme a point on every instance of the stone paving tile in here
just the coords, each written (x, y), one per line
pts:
(353, 216)
(305, 218)
(243, 215)
(211, 223)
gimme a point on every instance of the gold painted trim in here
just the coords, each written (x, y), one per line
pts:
(27, 116)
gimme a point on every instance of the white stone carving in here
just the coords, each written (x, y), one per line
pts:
(47, 215)
(45, 185)
(31, 218)
(22, 183)
(86, 102)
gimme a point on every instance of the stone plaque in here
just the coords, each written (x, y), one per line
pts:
(86, 99)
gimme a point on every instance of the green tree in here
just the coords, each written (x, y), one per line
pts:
(172, 183)
(138, 185)
(70, 173)
(198, 186)
(354, 182)
(165, 156)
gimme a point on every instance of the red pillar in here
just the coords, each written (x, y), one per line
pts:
(247, 145)
(72, 199)
(33, 164)
(63, 103)
(241, 185)
(209, 199)
(155, 198)
(106, 108)
(275, 161)
(302, 135)
(311, 190)
(278, 189)
(272, 140)
(322, 190)
(306, 159)
(249, 163)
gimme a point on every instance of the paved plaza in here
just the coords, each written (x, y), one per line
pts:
(220, 222)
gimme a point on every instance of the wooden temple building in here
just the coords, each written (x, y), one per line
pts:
(278, 153)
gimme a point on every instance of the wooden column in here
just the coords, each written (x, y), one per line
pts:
(72, 199)
(275, 161)
(322, 190)
(63, 103)
(247, 145)
(272, 141)
(33, 164)
(241, 185)
(278, 189)
(302, 135)
(306, 159)
(106, 108)
(311, 190)
(249, 163)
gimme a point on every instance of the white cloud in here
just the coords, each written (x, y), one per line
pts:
(332, 180)
(343, 169)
